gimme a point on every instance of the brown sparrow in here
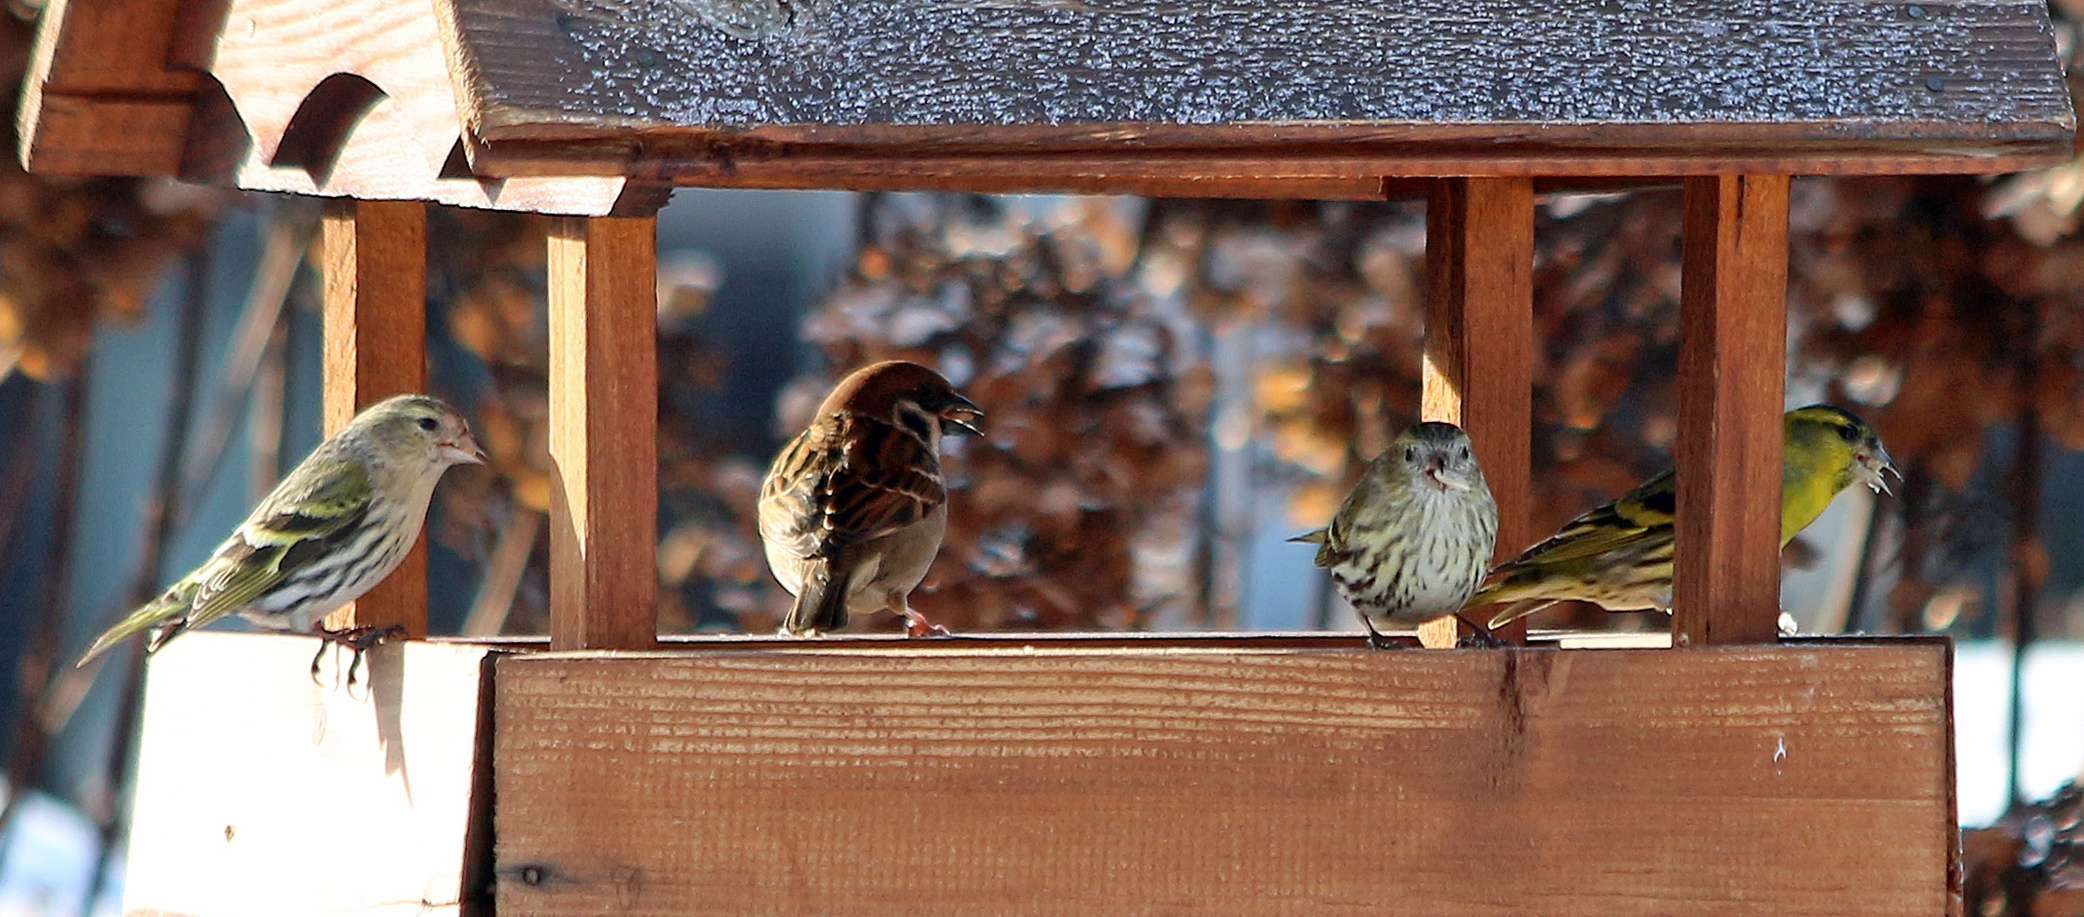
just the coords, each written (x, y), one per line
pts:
(853, 511)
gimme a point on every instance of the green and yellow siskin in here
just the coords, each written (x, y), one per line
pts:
(1619, 556)
(334, 527)
(1411, 541)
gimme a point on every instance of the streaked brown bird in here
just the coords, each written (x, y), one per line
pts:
(854, 508)
(1411, 541)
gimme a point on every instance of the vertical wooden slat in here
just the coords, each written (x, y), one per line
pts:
(376, 346)
(1732, 366)
(603, 432)
(1479, 350)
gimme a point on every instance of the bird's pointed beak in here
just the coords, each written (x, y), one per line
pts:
(1872, 466)
(463, 450)
(1444, 477)
(962, 416)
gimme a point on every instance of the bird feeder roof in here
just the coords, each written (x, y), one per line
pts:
(1230, 97)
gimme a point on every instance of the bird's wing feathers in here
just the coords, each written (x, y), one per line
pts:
(846, 480)
(888, 481)
(1637, 513)
(791, 488)
(292, 528)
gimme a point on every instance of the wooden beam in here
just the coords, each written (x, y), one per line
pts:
(375, 347)
(99, 96)
(1479, 349)
(603, 432)
(1029, 780)
(1732, 368)
(382, 775)
(1240, 171)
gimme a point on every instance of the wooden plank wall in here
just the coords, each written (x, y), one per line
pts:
(263, 794)
(1782, 781)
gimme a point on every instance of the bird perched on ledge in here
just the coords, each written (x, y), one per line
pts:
(1412, 539)
(854, 508)
(1619, 556)
(334, 527)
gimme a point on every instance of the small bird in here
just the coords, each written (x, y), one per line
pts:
(853, 510)
(334, 527)
(1619, 556)
(1412, 539)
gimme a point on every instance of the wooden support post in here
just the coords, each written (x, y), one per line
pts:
(1480, 289)
(375, 347)
(1732, 369)
(604, 432)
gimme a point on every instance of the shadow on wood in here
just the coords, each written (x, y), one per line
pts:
(262, 793)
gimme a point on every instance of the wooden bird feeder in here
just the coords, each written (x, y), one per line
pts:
(1736, 774)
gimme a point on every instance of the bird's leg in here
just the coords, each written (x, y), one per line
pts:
(1479, 635)
(358, 639)
(916, 624)
(1375, 639)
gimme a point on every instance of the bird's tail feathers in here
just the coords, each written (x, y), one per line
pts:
(821, 607)
(1326, 556)
(169, 611)
(1518, 610)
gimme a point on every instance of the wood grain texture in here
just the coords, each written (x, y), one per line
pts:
(265, 57)
(604, 432)
(112, 46)
(1009, 163)
(260, 793)
(1732, 366)
(99, 97)
(1479, 347)
(1507, 78)
(94, 136)
(1201, 641)
(1731, 781)
(375, 335)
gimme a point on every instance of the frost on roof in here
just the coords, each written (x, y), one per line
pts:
(732, 64)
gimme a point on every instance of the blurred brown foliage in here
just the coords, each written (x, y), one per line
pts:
(1077, 506)
(76, 252)
(2029, 864)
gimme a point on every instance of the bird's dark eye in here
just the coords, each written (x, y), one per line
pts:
(1410, 453)
(1848, 434)
(1462, 454)
(429, 424)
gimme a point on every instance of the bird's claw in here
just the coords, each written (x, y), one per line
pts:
(916, 625)
(360, 640)
(1479, 636)
(1376, 641)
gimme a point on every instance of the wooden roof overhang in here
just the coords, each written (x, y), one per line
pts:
(560, 105)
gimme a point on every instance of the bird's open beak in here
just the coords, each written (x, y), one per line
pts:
(962, 417)
(1870, 467)
(1443, 478)
(463, 450)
